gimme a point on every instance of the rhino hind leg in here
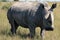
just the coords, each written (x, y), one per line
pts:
(14, 27)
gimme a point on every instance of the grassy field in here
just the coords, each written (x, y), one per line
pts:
(22, 32)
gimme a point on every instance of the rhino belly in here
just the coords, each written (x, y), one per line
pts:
(20, 20)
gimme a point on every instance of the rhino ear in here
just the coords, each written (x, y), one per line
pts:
(53, 6)
(42, 5)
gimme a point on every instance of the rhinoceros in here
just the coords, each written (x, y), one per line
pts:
(31, 15)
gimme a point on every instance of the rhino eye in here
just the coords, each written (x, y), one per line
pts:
(50, 22)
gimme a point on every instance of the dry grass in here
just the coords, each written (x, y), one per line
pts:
(22, 32)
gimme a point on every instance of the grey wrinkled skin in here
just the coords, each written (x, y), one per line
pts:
(31, 15)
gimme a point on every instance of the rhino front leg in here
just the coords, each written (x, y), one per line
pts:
(42, 34)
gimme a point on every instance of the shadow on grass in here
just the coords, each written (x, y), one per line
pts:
(21, 35)
(24, 35)
(8, 33)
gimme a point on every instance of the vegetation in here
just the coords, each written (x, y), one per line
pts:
(22, 32)
(16, 0)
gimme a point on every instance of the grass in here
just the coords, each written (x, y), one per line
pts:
(22, 32)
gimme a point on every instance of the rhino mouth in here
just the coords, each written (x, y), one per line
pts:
(49, 28)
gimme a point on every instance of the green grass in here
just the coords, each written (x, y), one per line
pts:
(22, 32)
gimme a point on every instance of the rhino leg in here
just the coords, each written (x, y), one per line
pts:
(32, 31)
(14, 27)
(42, 34)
